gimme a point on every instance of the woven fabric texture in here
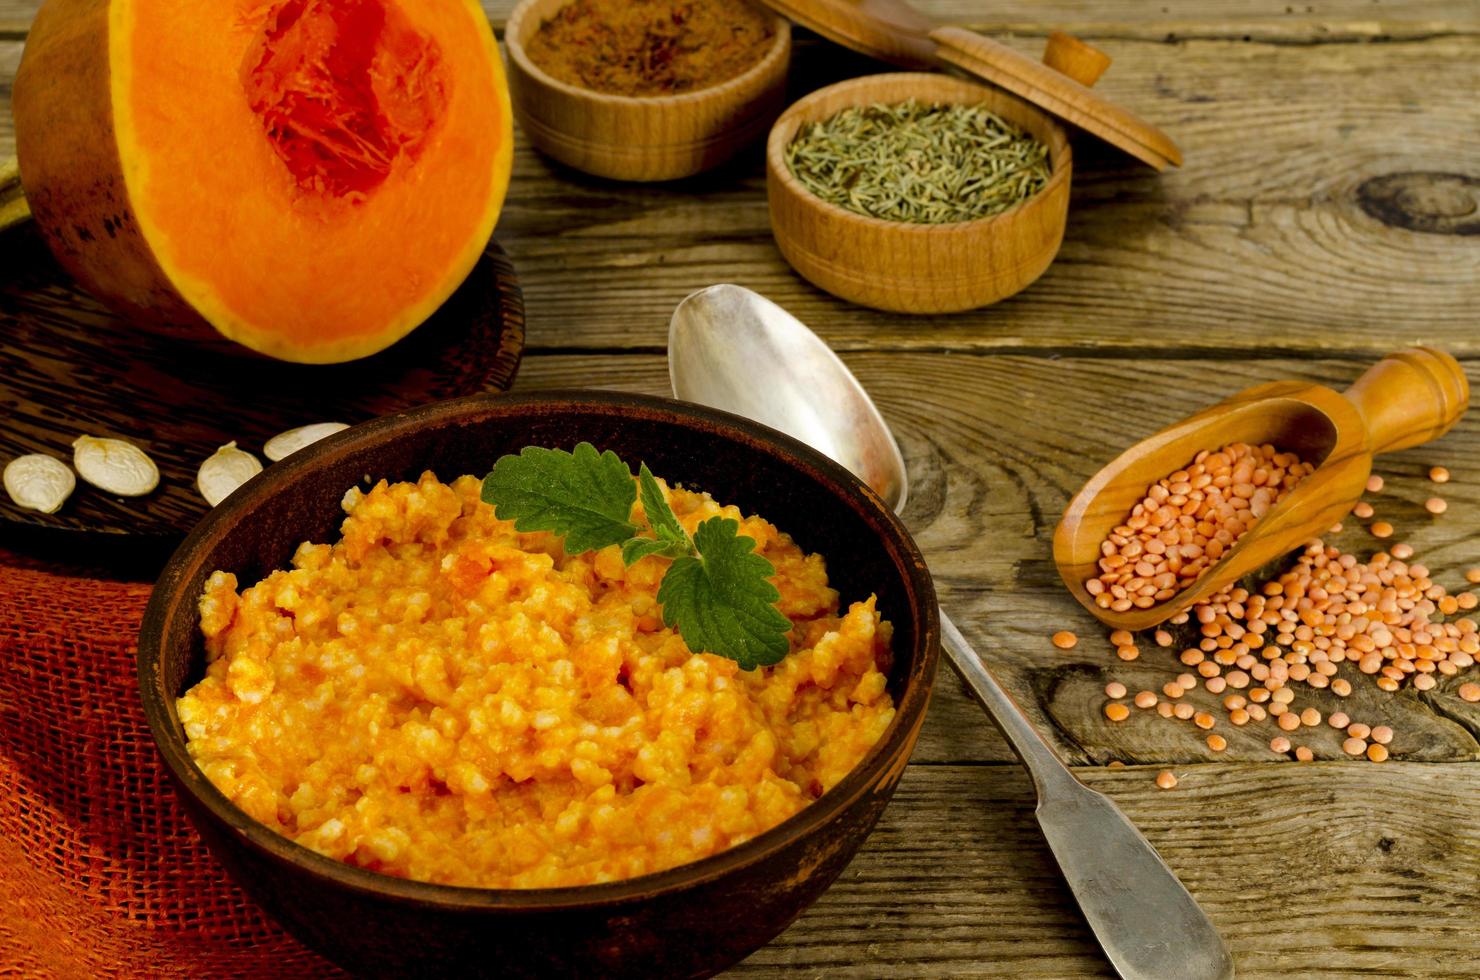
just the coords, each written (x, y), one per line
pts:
(101, 873)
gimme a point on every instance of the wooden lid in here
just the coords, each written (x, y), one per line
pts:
(893, 31)
(1057, 92)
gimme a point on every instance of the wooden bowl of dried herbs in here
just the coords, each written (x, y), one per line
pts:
(918, 193)
(646, 90)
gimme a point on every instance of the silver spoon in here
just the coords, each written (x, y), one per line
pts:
(734, 350)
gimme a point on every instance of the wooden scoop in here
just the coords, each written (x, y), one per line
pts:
(1404, 400)
(893, 31)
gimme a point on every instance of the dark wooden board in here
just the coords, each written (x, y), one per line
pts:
(68, 367)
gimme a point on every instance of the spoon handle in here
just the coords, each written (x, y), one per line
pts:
(1147, 923)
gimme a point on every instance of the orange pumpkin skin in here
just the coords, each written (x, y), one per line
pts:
(308, 178)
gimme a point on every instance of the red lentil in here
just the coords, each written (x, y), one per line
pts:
(1145, 699)
(1377, 753)
(1165, 779)
(1217, 743)
(1439, 474)
(1117, 712)
(1279, 744)
(1381, 529)
(1436, 505)
(1374, 484)
(1189, 519)
(1304, 754)
(1065, 640)
(1354, 746)
(1470, 692)
(1363, 510)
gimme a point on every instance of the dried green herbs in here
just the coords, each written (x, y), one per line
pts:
(917, 162)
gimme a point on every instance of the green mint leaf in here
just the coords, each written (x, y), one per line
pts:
(635, 550)
(722, 601)
(583, 495)
(659, 515)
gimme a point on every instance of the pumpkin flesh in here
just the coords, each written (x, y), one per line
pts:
(313, 178)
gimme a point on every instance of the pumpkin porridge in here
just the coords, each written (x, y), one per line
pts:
(441, 697)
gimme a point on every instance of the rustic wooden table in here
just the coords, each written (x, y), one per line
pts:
(1329, 212)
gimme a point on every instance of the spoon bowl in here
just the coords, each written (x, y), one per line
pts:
(1408, 398)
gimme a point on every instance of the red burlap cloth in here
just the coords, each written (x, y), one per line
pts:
(101, 873)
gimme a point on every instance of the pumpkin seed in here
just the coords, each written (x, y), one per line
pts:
(115, 466)
(224, 471)
(39, 482)
(287, 443)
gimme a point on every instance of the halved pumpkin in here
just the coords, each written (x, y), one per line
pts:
(310, 178)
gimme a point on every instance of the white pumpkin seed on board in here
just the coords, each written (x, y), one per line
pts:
(39, 482)
(115, 466)
(287, 443)
(224, 471)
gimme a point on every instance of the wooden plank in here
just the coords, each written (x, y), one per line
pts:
(1261, 239)
(1333, 21)
(997, 445)
(1307, 870)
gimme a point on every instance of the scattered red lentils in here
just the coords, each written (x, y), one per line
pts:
(1303, 753)
(1163, 638)
(1127, 653)
(1354, 746)
(1279, 744)
(1377, 753)
(1439, 474)
(1115, 764)
(1363, 510)
(1165, 779)
(1065, 640)
(1382, 735)
(1338, 720)
(1183, 710)
(1374, 484)
(1401, 551)
(1381, 529)
(1187, 521)
(1115, 689)
(1203, 720)
(1470, 692)
(1164, 708)
(1310, 717)
(1217, 743)
(1436, 505)
(1473, 576)
(1289, 721)
(1117, 712)
(1145, 699)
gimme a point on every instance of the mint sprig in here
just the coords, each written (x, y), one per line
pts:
(717, 593)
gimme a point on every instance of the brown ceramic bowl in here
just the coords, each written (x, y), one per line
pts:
(689, 921)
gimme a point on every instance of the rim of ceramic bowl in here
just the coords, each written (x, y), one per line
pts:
(790, 122)
(779, 51)
(167, 600)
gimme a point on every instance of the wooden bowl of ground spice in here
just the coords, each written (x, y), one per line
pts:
(918, 193)
(646, 89)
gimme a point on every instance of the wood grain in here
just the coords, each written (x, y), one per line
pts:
(997, 445)
(69, 368)
(1268, 237)
(1319, 22)
(1308, 870)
